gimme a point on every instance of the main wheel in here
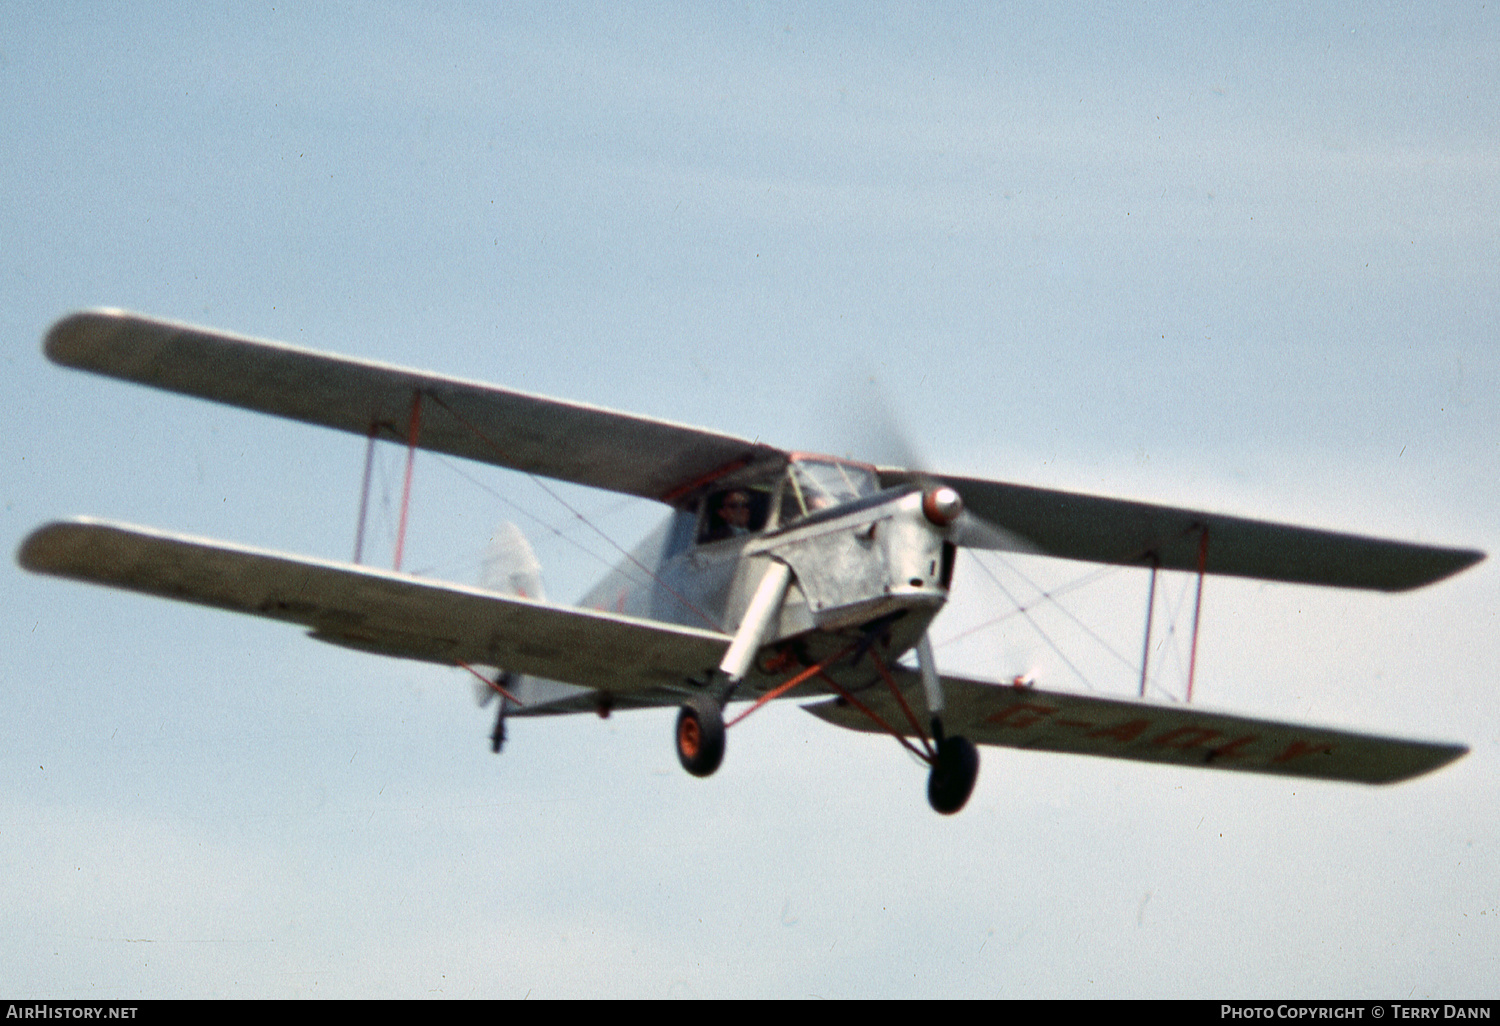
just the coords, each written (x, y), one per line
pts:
(953, 774)
(700, 735)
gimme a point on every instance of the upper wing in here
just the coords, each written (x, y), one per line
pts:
(659, 460)
(568, 441)
(995, 714)
(1107, 530)
(379, 611)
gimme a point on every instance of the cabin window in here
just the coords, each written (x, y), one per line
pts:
(733, 512)
(813, 485)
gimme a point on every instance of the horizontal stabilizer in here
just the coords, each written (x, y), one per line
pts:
(1105, 530)
(568, 441)
(1184, 735)
(380, 611)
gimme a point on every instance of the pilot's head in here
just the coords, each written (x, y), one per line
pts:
(736, 510)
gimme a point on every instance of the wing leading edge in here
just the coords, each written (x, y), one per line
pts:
(568, 441)
(380, 611)
(1182, 735)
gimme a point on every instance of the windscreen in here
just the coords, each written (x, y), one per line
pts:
(813, 485)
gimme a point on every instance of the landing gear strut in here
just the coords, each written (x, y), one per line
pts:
(955, 762)
(700, 735)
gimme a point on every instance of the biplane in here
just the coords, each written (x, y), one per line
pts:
(775, 571)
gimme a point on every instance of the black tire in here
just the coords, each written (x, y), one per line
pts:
(953, 774)
(700, 736)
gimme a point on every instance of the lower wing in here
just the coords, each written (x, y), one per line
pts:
(380, 611)
(1016, 717)
(399, 615)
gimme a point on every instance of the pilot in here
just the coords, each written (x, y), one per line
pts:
(732, 518)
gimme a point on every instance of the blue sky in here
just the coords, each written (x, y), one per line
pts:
(1244, 260)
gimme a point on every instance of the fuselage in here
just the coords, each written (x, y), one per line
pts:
(860, 558)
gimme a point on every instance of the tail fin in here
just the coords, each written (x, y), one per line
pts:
(510, 566)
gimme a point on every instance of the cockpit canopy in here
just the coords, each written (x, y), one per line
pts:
(808, 484)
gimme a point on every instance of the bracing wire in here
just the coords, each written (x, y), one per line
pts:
(1173, 612)
(580, 517)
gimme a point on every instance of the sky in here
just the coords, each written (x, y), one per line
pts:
(1233, 257)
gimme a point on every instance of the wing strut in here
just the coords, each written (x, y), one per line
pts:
(1197, 608)
(412, 432)
(1150, 609)
(1197, 613)
(364, 495)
